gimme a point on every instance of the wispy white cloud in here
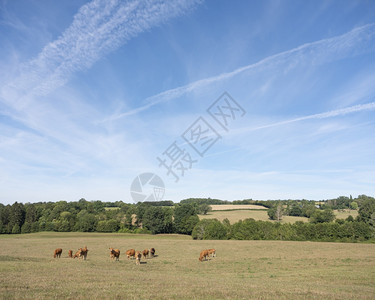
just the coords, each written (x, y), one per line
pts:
(355, 42)
(54, 137)
(98, 28)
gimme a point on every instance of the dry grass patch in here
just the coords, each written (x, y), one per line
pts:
(234, 207)
(344, 213)
(235, 215)
(241, 270)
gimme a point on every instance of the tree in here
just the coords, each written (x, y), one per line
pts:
(354, 205)
(5, 218)
(276, 213)
(295, 210)
(128, 223)
(349, 219)
(31, 215)
(35, 227)
(26, 227)
(108, 226)
(185, 218)
(16, 229)
(203, 209)
(209, 229)
(140, 210)
(366, 210)
(228, 227)
(17, 216)
(86, 222)
(157, 220)
(322, 216)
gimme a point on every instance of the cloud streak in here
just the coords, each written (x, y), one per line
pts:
(98, 28)
(355, 42)
(333, 113)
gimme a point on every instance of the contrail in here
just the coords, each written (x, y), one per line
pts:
(329, 114)
(355, 42)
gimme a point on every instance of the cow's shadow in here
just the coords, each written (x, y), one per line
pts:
(143, 262)
(154, 256)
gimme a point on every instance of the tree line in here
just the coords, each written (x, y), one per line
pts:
(98, 216)
(169, 217)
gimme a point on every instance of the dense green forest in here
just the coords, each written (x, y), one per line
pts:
(170, 217)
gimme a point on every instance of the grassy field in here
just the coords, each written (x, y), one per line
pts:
(343, 214)
(236, 215)
(241, 270)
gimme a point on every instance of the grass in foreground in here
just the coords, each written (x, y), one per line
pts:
(241, 270)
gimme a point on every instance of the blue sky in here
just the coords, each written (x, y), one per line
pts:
(92, 93)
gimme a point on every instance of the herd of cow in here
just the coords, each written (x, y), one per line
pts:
(131, 253)
(113, 254)
(81, 253)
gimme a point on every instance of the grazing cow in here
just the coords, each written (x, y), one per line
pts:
(115, 253)
(57, 253)
(152, 252)
(211, 252)
(77, 254)
(84, 252)
(203, 255)
(130, 253)
(138, 256)
(70, 253)
(145, 253)
(81, 253)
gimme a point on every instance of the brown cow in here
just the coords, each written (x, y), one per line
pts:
(138, 256)
(84, 252)
(78, 253)
(203, 255)
(81, 253)
(130, 253)
(152, 252)
(57, 253)
(115, 253)
(211, 252)
(145, 253)
(70, 253)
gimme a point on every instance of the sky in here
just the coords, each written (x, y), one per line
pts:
(105, 100)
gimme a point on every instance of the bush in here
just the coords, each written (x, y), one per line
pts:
(142, 231)
(209, 229)
(108, 226)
